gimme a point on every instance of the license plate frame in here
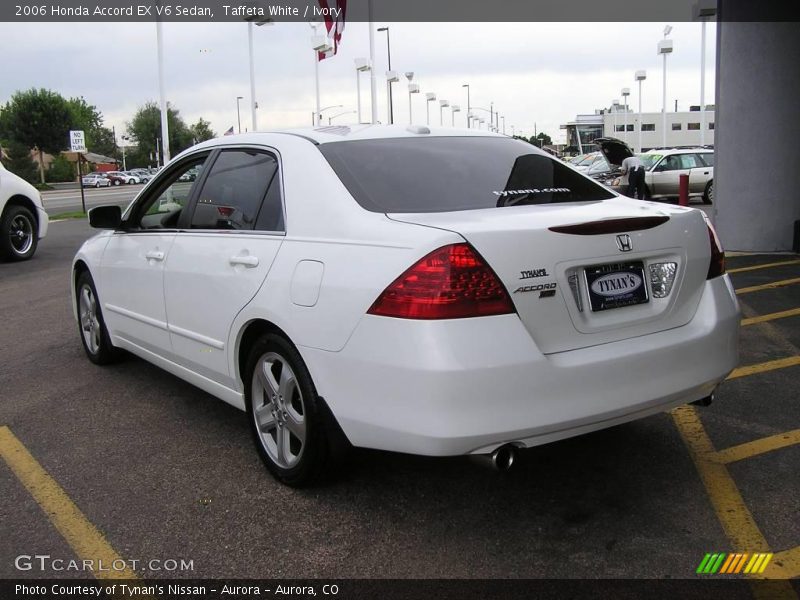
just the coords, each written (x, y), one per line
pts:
(600, 301)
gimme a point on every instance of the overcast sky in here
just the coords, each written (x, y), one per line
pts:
(535, 73)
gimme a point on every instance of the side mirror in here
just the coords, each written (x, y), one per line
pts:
(105, 217)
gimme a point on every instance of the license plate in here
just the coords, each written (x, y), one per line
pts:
(616, 285)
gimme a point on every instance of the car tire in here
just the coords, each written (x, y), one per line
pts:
(708, 195)
(91, 325)
(19, 233)
(117, 182)
(295, 434)
(97, 184)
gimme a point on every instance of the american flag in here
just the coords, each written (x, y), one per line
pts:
(229, 132)
(334, 25)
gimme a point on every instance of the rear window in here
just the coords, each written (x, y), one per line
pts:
(407, 175)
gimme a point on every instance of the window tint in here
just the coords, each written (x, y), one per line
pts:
(234, 190)
(162, 209)
(438, 174)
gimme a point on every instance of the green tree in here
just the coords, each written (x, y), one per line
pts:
(145, 128)
(542, 139)
(201, 131)
(61, 169)
(85, 116)
(38, 119)
(20, 162)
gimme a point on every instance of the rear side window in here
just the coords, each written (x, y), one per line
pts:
(707, 158)
(236, 192)
(440, 174)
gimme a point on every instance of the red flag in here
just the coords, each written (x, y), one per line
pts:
(333, 23)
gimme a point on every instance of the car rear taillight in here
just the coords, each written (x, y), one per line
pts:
(452, 282)
(717, 265)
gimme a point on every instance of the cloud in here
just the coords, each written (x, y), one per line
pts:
(535, 73)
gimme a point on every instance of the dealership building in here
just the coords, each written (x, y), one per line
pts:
(683, 128)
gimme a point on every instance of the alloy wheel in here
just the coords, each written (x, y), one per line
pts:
(279, 410)
(90, 324)
(21, 234)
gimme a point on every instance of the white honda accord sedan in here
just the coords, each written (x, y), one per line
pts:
(434, 292)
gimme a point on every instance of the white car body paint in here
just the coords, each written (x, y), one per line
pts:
(435, 387)
(11, 185)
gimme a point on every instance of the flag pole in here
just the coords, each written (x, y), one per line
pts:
(373, 84)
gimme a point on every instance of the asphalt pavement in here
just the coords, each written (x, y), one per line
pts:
(165, 471)
(64, 201)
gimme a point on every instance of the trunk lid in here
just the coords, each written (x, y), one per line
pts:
(549, 256)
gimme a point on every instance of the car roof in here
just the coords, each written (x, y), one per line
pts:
(342, 133)
(678, 150)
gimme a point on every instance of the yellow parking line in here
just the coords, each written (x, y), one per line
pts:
(756, 447)
(770, 365)
(793, 312)
(732, 512)
(765, 266)
(768, 286)
(83, 537)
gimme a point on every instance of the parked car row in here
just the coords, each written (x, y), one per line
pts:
(109, 178)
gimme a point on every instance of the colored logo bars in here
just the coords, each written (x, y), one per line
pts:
(722, 563)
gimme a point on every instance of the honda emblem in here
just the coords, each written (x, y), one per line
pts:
(624, 243)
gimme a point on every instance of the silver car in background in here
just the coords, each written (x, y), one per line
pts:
(663, 170)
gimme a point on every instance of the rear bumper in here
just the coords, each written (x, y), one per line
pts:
(470, 385)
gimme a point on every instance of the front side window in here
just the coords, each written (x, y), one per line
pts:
(440, 174)
(162, 208)
(235, 190)
(671, 163)
(648, 160)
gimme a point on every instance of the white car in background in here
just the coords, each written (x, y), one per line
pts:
(23, 221)
(435, 292)
(95, 180)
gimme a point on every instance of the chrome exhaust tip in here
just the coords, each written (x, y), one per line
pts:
(501, 459)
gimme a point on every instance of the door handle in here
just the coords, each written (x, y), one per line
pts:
(154, 255)
(246, 261)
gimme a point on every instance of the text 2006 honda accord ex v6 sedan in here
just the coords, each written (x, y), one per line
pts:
(431, 292)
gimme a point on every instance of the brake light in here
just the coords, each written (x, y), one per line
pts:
(452, 282)
(717, 265)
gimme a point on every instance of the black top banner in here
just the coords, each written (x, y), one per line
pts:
(397, 10)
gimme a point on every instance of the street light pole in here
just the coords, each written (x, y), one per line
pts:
(253, 103)
(442, 105)
(238, 113)
(413, 88)
(504, 124)
(469, 106)
(664, 48)
(640, 76)
(373, 84)
(703, 83)
(163, 100)
(389, 80)
(625, 93)
(429, 97)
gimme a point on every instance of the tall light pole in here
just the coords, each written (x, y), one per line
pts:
(413, 88)
(504, 124)
(162, 97)
(640, 76)
(320, 44)
(362, 64)
(453, 110)
(258, 21)
(373, 84)
(614, 104)
(124, 162)
(429, 97)
(238, 113)
(389, 79)
(469, 106)
(513, 133)
(664, 48)
(442, 105)
(705, 10)
(625, 93)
